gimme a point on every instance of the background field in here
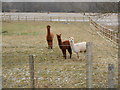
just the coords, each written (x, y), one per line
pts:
(51, 69)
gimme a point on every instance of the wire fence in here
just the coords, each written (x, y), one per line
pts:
(36, 71)
(31, 71)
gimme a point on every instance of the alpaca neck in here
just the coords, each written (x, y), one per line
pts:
(48, 31)
(72, 45)
(60, 43)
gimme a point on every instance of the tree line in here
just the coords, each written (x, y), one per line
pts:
(76, 7)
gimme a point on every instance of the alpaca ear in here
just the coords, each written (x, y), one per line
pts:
(72, 38)
(60, 34)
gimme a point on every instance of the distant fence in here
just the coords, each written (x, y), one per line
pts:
(108, 33)
(44, 18)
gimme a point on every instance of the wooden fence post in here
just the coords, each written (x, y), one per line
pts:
(34, 19)
(111, 35)
(74, 19)
(67, 19)
(18, 18)
(117, 37)
(42, 18)
(83, 18)
(89, 20)
(31, 67)
(110, 76)
(89, 65)
(9, 18)
(58, 19)
(50, 19)
(3, 17)
(26, 18)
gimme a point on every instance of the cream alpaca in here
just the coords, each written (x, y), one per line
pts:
(77, 47)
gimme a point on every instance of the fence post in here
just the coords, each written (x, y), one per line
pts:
(110, 76)
(117, 36)
(18, 18)
(34, 19)
(58, 19)
(50, 19)
(31, 67)
(89, 65)
(3, 17)
(9, 17)
(74, 19)
(1, 79)
(111, 35)
(26, 18)
(83, 18)
(42, 18)
(89, 20)
(67, 19)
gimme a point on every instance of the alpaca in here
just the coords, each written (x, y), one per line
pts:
(77, 47)
(49, 38)
(64, 45)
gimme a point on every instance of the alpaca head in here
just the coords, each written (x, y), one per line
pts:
(48, 26)
(71, 40)
(58, 36)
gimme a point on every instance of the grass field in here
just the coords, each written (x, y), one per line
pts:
(51, 69)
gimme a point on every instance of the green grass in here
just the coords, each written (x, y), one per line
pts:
(51, 69)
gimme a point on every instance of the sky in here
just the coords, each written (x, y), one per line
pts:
(60, 0)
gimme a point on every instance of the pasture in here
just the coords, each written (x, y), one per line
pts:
(51, 69)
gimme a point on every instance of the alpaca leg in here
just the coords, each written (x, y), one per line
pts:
(84, 54)
(52, 45)
(78, 56)
(64, 53)
(70, 51)
(48, 44)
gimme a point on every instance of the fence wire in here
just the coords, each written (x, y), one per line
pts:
(51, 72)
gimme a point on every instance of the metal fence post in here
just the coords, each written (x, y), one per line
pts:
(89, 65)
(110, 76)
(31, 66)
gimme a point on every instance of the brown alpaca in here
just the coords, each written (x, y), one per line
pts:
(64, 45)
(49, 38)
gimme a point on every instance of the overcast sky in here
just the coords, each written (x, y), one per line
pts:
(60, 0)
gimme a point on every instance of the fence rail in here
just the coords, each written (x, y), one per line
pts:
(44, 18)
(108, 33)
